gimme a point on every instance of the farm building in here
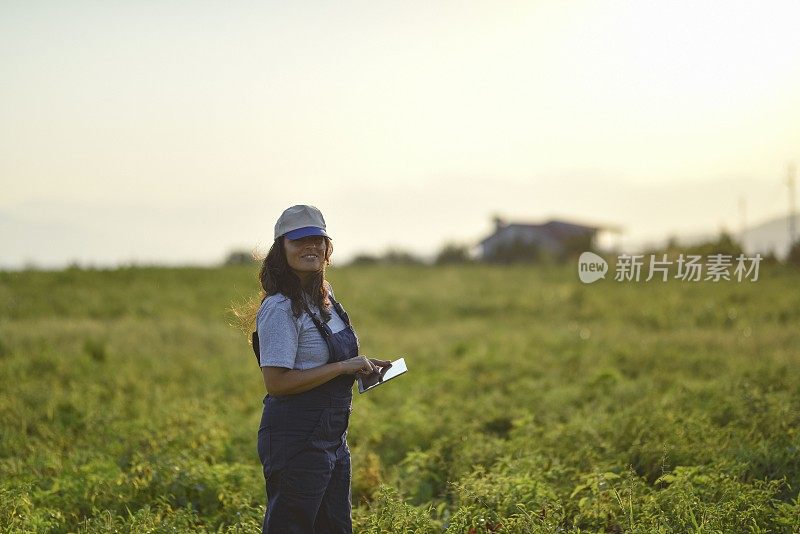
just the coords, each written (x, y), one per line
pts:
(527, 241)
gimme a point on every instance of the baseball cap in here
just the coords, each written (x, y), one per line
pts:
(300, 221)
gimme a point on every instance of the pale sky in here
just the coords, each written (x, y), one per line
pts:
(176, 131)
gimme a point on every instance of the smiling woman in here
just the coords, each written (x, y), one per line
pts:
(308, 353)
(306, 254)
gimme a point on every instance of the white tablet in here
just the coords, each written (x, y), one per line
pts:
(397, 368)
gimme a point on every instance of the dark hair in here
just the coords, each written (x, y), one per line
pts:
(276, 276)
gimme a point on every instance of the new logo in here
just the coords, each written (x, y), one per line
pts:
(591, 267)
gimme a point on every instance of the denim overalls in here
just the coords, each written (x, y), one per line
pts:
(302, 444)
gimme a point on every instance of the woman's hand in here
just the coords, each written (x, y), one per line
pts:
(379, 365)
(363, 366)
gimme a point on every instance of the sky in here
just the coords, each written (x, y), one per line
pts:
(174, 132)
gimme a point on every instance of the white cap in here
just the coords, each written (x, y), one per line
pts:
(300, 221)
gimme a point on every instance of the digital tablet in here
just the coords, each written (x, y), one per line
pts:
(396, 368)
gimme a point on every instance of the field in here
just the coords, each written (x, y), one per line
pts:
(533, 403)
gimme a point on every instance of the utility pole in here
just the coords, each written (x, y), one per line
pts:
(790, 179)
(742, 220)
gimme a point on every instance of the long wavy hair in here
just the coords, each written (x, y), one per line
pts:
(276, 276)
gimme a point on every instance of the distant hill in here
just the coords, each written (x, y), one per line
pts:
(766, 237)
(772, 235)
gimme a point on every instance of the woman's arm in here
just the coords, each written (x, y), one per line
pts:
(283, 381)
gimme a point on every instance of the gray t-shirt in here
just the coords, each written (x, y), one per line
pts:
(286, 341)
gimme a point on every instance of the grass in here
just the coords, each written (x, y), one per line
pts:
(533, 402)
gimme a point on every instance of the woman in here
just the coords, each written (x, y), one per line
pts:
(308, 353)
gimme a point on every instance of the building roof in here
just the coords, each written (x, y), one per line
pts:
(554, 228)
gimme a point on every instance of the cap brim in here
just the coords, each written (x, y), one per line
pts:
(305, 232)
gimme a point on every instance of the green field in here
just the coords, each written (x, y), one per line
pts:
(533, 403)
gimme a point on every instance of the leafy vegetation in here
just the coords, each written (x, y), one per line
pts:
(533, 403)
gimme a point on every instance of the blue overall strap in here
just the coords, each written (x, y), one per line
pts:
(323, 328)
(256, 349)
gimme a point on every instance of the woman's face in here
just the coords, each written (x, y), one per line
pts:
(305, 255)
